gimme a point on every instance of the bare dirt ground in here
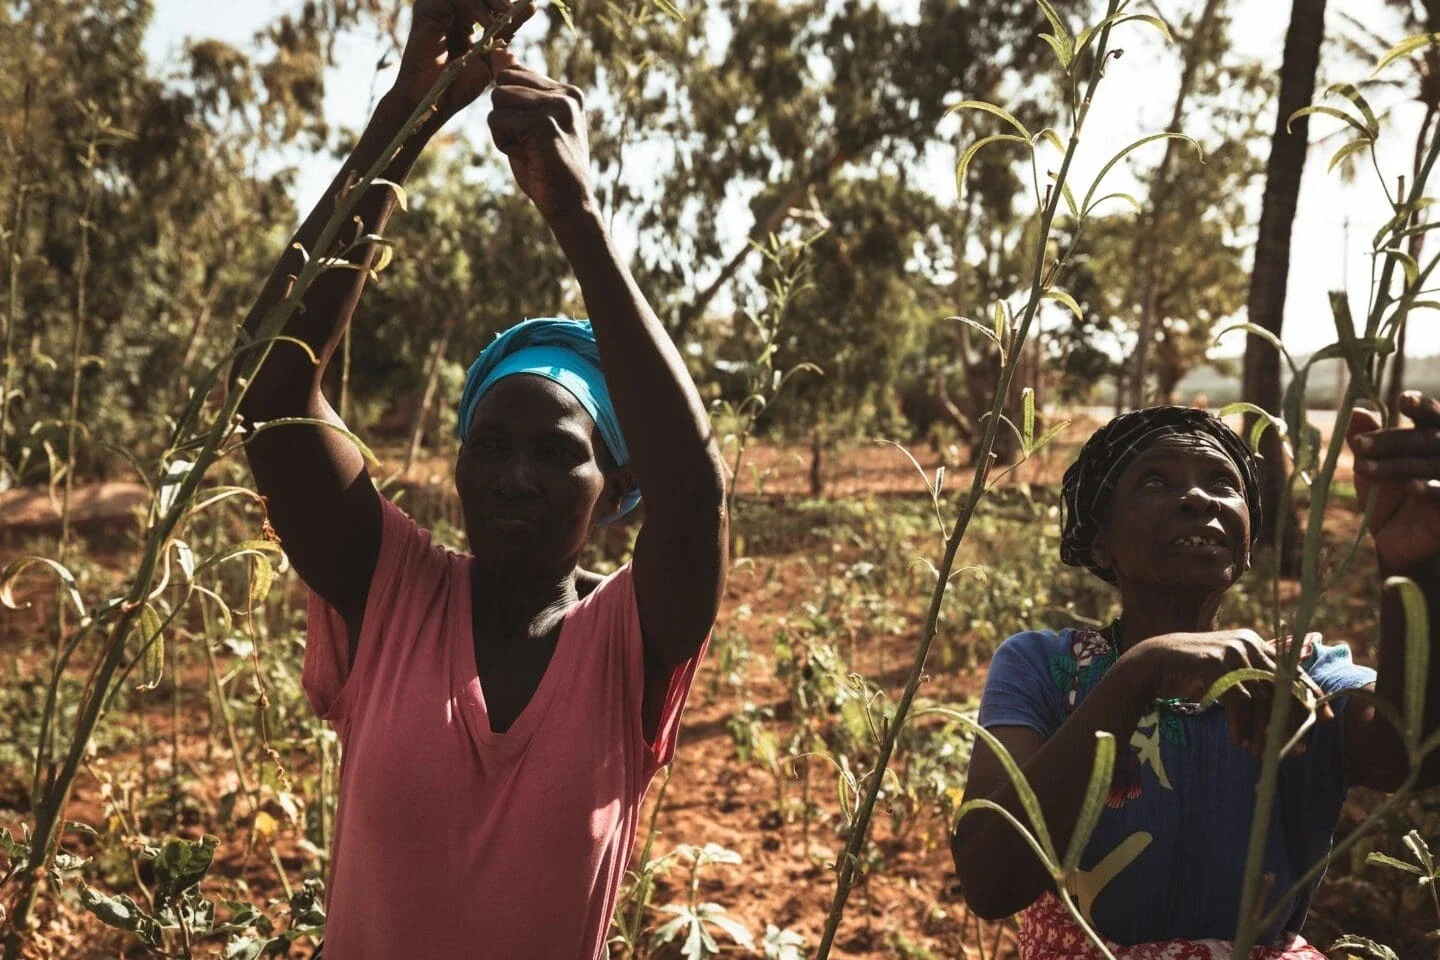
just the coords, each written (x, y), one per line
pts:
(908, 907)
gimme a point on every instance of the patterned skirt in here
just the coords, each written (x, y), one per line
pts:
(1048, 932)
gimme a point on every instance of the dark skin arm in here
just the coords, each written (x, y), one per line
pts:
(1401, 467)
(680, 553)
(322, 502)
(1182, 665)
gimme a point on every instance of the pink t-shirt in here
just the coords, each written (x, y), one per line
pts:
(452, 841)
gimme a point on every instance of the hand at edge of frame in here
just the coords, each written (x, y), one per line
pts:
(1401, 465)
(442, 31)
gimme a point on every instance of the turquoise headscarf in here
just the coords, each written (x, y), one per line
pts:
(564, 351)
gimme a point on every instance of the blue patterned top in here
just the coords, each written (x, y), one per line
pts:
(1167, 857)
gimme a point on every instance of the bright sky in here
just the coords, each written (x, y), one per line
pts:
(1135, 98)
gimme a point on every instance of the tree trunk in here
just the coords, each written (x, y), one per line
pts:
(1149, 237)
(817, 470)
(688, 313)
(1266, 306)
(432, 379)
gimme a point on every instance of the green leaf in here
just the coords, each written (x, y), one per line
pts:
(12, 572)
(401, 199)
(993, 110)
(1368, 949)
(1128, 198)
(670, 10)
(1345, 329)
(1344, 153)
(1124, 152)
(1234, 678)
(1420, 849)
(1070, 203)
(1417, 655)
(1365, 135)
(983, 330)
(1060, 42)
(1269, 336)
(264, 576)
(1062, 52)
(1048, 135)
(1407, 263)
(123, 913)
(1116, 20)
(1404, 48)
(1027, 398)
(245, 548)
(1065, 300)
(965, 158)
(1351, 93)
(1263, 420)
(1094, 802)
(181, 864)
(1050, 435)
(365, 451)
(152, 647)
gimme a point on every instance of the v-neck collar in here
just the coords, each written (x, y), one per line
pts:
(472, 691)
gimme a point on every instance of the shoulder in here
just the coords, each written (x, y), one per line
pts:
(1029, 677)
(1036, 650)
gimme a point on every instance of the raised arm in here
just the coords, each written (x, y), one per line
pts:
(321, 500)
(1402, 467)
(679, 561)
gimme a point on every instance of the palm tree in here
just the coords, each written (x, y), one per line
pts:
(1272, 248)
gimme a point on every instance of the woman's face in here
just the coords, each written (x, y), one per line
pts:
(1177, 518)
(532, 477)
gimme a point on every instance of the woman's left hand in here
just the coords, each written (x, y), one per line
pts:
(1402, 466)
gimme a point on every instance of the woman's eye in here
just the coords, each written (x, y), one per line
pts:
(1153, 480)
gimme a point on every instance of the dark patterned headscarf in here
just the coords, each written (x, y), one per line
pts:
(1089, 482)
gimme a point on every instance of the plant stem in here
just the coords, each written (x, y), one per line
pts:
(82, 268)
(849, 861)
(1250, 921)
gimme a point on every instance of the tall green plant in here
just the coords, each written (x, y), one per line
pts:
(1082, 59)
(1364, 351)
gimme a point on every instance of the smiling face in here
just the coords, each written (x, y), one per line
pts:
(532, 475)
(1177, 519)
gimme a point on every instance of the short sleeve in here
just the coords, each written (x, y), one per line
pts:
(1332, 668)
(407, 558)
(1019, 691)
(613, 607)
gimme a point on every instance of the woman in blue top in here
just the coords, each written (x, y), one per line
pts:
(1164, 504)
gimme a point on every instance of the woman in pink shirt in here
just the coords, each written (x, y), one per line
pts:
(499, 730)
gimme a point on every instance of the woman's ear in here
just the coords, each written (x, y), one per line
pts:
(618, 482)
(1100, 553)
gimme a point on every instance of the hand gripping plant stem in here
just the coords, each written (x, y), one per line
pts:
(49, 814)
(848, 865)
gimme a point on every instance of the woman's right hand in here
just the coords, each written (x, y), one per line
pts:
(440, 32)
(1184, 666)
